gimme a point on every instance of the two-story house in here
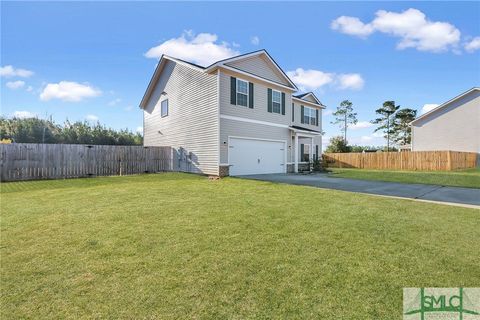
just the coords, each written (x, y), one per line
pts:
(237, 116)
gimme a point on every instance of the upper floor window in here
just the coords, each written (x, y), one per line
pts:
(242, 93)
(164, 108)
(276, 101)
(310, 116)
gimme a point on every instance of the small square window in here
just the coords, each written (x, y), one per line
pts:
(164, 108)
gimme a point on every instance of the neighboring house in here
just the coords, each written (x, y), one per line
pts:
(237, 116)
(454, 125)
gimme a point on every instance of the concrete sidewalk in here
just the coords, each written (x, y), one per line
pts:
(465, 196)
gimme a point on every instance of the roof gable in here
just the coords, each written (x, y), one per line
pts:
(258, 63)
(158, 71)
(444, 105)
(259, 66)
(309, 96)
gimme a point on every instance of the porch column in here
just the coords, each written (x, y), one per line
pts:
(295, 152)
(311, 149)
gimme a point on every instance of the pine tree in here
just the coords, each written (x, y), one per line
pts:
(345, 117)
(385, 120)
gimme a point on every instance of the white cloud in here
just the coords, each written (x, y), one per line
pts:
(114, 102)
(24, 114)
(15, 84)
(327, 112)
(139, 130)
(128, 108)
(68, 91)
(91, 117)
(310, 79)
(255, 40)
(361, 125)
(411, 26)
(315, 79)
(10, 71)
(202, 49)
(352, 26)
(29, 88)
(428, 107)
(352, 81)
(473, 45)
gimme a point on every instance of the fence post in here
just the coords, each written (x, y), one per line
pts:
(449, 160)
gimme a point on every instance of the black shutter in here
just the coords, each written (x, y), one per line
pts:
(233, 90)
(283, 103)
(302, 150)
(293, 112)
(250, 95)
(316, 152)
(269, 100)
(316, 117)
(302, 113)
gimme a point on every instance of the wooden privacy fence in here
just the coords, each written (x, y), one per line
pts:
(30, 161)
(415, 160)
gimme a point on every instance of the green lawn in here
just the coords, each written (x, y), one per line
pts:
(180, 246)
(463, 178)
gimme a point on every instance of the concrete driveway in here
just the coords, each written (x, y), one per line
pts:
(464, 196)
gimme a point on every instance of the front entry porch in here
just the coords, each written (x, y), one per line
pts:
(305, 151)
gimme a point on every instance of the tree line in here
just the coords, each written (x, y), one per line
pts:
(392, 121)
(35, 130)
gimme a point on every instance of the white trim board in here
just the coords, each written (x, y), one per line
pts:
(225, 116)
(218, 120)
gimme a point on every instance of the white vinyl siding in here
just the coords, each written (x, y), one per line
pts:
(297, 118)
(455, 127)
(260, 111)
(259, 66)
(192, 126)
(309, 98)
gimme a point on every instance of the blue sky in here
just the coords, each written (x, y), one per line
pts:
(87, 60)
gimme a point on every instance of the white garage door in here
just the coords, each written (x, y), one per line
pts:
(250, 156)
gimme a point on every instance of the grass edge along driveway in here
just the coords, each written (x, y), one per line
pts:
(469, 178)
(180, 246)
